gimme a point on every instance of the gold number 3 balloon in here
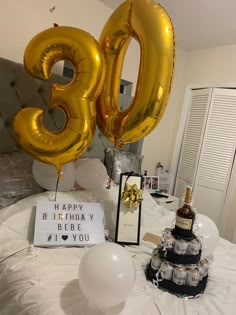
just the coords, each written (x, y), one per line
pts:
(77, 99)
(148, 23)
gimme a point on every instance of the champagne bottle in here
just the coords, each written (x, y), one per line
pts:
(185, 217)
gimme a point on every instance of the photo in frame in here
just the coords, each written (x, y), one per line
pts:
(128, 212)
(150, 183)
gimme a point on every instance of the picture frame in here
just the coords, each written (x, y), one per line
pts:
(151, 183)
(128, 220)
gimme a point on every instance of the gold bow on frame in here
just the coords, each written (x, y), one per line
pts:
(132, 196)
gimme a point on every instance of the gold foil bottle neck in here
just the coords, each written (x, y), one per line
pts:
(188, 195)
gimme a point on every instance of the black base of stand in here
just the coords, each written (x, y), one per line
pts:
(171, 287)
(174, 258)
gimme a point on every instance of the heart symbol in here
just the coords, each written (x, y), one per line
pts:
(64, 237)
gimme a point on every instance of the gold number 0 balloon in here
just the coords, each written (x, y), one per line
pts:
(148, 23)
(77, 99)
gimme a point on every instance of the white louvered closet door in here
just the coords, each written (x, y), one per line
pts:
(217, 155)
(192, 139)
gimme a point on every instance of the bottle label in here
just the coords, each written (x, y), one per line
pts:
(185, 224)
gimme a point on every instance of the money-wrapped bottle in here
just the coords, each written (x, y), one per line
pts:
(185, 217)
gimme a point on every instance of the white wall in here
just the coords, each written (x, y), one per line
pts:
(159, 144)
(21, 20)
(212, 66)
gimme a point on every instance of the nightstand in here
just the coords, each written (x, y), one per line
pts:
(169, 202)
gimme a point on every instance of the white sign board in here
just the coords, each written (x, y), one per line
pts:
(68, 224)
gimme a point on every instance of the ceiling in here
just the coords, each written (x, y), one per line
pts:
(198, 24)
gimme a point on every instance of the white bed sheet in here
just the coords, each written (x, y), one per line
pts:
(41, 281)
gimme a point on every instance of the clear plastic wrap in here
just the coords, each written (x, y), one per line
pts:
(16, 179)
(118, 162)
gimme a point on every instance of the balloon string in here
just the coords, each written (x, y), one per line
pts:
(111, 171)
(58, 178)
(113, 161)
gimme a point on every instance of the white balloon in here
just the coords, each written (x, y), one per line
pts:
(46, 176)
(90, 173)
(106, 275)
(209, 233)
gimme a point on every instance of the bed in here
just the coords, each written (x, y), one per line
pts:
(43, 281)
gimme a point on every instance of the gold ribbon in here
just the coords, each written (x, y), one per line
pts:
(131, 196)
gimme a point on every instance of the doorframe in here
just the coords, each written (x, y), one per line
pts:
(228, 217)
(227, 208)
